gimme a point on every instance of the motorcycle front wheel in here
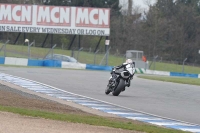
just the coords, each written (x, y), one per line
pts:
(107, 91)
(119, 88)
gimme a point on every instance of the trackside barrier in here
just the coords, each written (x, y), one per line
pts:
(184, 75)
(140, 70)
(59, 64)
(2, 60)
(52, 63)
(35, 62)
(95, 67)
(157, 72)
(163, 73)
(16, 61)
(73, 65)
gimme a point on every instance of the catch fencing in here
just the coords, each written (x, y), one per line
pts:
(176, 65)
(33, 50)
(88, 56)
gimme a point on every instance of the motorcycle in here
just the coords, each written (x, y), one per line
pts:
(119, 80)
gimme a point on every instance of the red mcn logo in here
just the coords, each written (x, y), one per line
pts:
(15, 14)
(53, 16)
(93, 17)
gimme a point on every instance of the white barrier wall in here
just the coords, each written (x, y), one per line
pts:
(158, 72)
(16, 61)
(24, 62)
(73, 65)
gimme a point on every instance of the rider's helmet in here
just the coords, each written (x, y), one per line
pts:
(129, 61)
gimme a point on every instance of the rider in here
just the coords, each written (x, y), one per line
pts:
(124, 66)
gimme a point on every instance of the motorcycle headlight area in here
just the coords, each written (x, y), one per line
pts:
(125, 74)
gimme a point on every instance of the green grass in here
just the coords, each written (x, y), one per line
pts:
(160, 66)
(91, 120)
(191, 81)
(21, 51)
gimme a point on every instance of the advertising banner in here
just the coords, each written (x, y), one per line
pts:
(54, 19)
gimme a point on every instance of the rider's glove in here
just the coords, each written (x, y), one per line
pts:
(113, 69)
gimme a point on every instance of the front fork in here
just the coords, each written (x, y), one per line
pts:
(128, 82)
(112, 83)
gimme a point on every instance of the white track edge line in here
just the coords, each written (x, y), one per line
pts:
(107, 102)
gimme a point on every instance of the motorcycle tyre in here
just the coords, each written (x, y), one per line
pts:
(119, 88)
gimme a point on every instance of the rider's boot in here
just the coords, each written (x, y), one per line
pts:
(127, 83)
(123, 89)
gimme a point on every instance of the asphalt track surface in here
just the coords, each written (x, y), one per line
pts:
(171, 100)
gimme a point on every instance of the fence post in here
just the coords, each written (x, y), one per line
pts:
(50, 50)
(124, 58)
(26, 40)
(154, 60)
(4, 48)
(72, 52)
(105, 56)
(107, 42)
(78, 52)
(183, 65)
(95, 56)
(29, 50)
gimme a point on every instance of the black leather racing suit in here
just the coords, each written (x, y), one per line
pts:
(124, 67)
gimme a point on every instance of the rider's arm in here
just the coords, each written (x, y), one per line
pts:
(121, 66)
(116, 68)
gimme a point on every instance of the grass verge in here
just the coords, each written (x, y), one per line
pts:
(191, 81)
(91, 120)
(21, 51)
(161, 66)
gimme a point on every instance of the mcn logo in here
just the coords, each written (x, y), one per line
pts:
(54, 16)
(15, 14)
(51, 15)
(54, 19)
(92, 17)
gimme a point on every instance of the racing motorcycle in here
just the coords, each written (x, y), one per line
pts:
(119, 80)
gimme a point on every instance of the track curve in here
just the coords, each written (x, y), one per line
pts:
(176, 101)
